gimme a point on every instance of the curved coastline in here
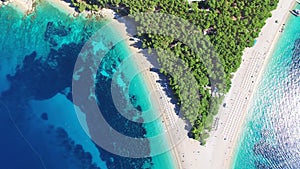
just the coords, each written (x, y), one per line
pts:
(258, 56)
(22, 39)
(256, 108)
(260, 76)
(109, 14)
(222, 144)
(206, 156)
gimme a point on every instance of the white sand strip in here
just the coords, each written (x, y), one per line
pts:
(167, 115)
(63, 6)
(24, 6)
(218, 152)
(221, 146)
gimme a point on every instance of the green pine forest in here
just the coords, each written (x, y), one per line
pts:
(230, 26)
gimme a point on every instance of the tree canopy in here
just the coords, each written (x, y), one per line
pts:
(230, 26)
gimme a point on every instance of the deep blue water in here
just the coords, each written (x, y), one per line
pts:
(40, 125)
(271, 137)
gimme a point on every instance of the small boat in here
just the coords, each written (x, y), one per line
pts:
(295, 12)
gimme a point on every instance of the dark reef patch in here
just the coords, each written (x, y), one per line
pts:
(44, 116)
(54, 30)
(41, 79)
(84, 159)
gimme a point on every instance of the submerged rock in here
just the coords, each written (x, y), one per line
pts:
(44, 116)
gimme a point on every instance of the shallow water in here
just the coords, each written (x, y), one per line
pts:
(41, 126)
(272, 136)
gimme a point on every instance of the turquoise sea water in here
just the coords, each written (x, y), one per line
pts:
(271, 138)
(39, 125)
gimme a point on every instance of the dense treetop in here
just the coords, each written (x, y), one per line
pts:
(230, 26)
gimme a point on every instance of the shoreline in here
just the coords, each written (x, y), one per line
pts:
(63, 6)
(188, 154)
(223, 143)
(139, 58)
(28, 7)
(24, 7)
(143, 63)
(261, 74)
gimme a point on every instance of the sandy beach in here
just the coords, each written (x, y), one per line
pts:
(23, 5)
(62, 5)
(26, 6)
(159, 98)
(218, 153)
(173, 125)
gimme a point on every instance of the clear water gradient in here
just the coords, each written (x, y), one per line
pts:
(38, 123)
(272, 135)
